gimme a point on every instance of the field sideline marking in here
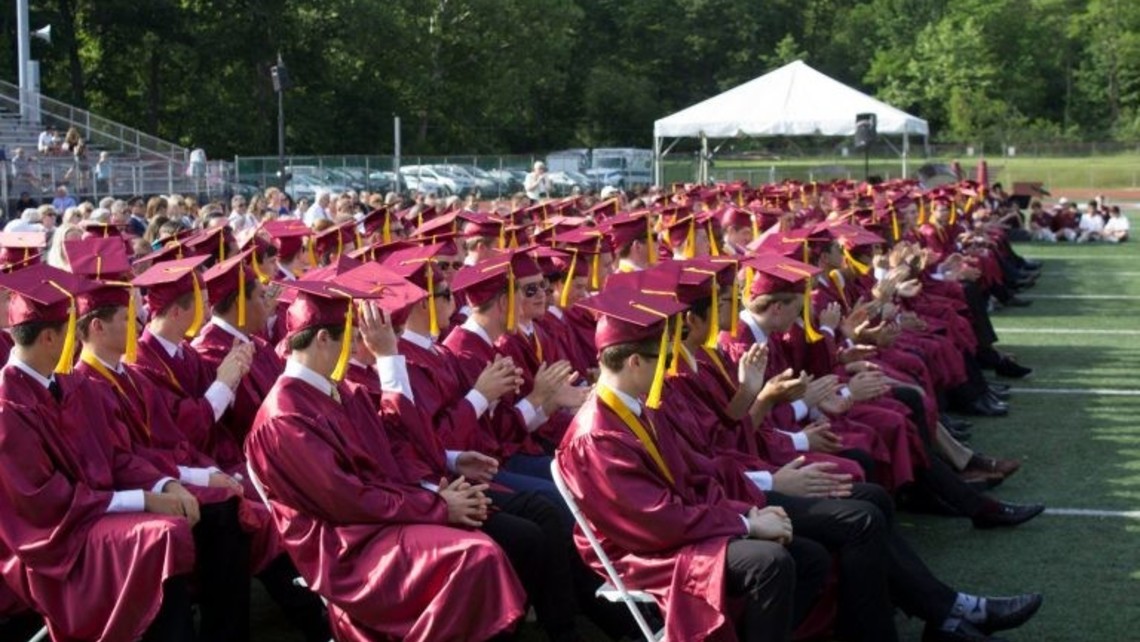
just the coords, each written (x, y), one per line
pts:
(1109, 392)
(1062, 331)
(1121, 297)
(1092, 512)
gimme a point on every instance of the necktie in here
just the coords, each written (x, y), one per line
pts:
(55, 390)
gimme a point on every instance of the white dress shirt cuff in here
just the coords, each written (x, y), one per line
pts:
(194, 476)
(799, 440)
(845, 392)
(452, 458)
(127, 501)
(747, 526)
(220, 397)
(762, 479)
(394, 375)
(531, 415)
(828, 329)
(478, 402)
(429, 486)
(800, 408)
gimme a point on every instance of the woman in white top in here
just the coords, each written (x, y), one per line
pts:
(1091, 226)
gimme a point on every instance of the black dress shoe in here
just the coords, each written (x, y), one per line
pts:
(997, 514)
(955, 423)
(983, 407)
(995, 402)
(1004, 613)
(1000, 395)
(962, 632)
(1009, 368)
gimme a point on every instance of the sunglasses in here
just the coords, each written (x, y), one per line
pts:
(531, 290)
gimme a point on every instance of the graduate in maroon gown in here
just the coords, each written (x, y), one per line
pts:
(493, 288)
(106, 329)
(361, 527)
(92, 537)
(239, 310)
(669, 530)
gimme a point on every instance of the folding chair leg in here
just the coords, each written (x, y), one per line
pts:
(40, 635)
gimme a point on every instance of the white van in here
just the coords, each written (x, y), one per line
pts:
(622, 167)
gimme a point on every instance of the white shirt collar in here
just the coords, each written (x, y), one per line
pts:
(418, 339)
(297, 370)
(224, 325)
(757, 332)
(286, 275)
(630, 402)
(172, 349)
(471, 325)
(31, 372)
(117, 368)
(689, 358)
(556, 311)
(527, 329)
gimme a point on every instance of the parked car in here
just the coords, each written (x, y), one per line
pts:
(451, 182)
(572, 160)
(622, 167)
(512, 178)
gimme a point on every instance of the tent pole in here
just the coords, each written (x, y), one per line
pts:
(905, 151)
(703, 167)
(657, 162)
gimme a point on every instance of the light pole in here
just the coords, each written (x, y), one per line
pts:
(281, 82)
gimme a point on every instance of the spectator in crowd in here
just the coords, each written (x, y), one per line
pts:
(48, 142)
(319, 210)
(73, 216)
(48, 217)
(66, 232)
(71, 140)
(29, 221)
(1065, 224)
(240, 218)
(24, 202)
(1116, 229)
(136, 224)
(62, 199)
(537, 183)
(103, 173)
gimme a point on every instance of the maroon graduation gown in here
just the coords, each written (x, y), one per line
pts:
(502, 429)
(667, 538)
(95, 575)
(132, 400)
(364, 534)
(228, 436)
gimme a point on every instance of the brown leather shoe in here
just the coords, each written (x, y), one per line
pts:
(981, 479)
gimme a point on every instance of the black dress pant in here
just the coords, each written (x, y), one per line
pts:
(913, 587)
(302, 607)
(764, 574)
(222, 568)
(857, 533)
(529, 530)
(173, 623)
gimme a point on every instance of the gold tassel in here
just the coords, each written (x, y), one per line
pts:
(221, 246)
(713, 249)
(595, 271)
(894, 225)
(510, 299)
(714, 315)
(861, 268)
(67, 357)
(199, 309)
(261, 276)
(433, 316)
(735, 302)
(650, 241)
(345, 345)
(653, 400)
(241, 297)
(691, 240)
(675, 358)
(812, 335)
(564, 298)
(387, 233)
(132, 351)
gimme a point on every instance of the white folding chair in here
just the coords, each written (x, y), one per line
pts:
(253, 479)
(614, 590)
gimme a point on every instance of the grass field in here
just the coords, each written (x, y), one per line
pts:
(1081, 450)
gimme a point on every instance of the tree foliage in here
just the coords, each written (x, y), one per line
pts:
(522, 75)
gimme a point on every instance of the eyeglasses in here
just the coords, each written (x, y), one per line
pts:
(531, 290)
(450, 265)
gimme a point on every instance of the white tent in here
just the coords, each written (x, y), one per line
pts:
(794, 100)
